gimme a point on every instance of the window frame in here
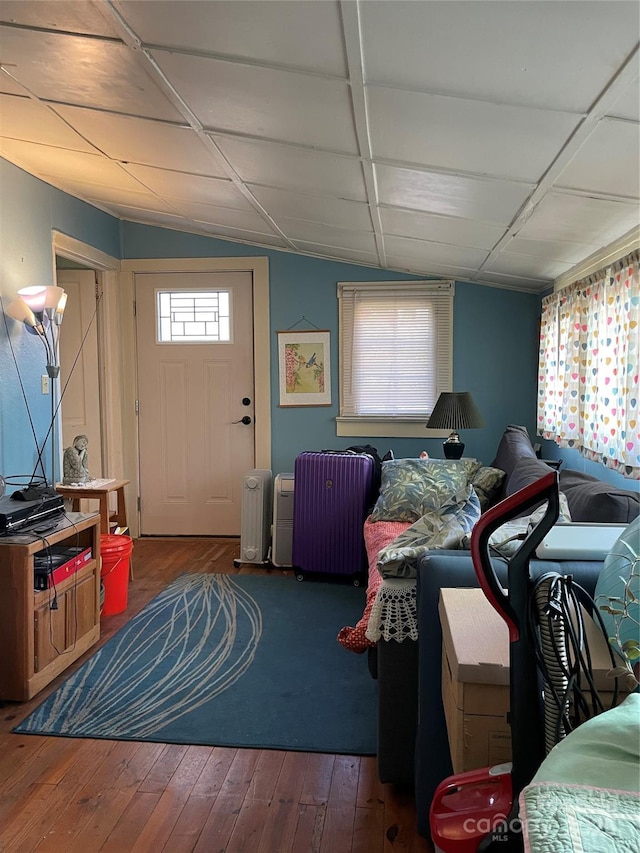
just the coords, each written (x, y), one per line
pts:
(412, 426)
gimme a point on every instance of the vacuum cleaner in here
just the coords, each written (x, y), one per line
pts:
(477, 811)
(552, 689)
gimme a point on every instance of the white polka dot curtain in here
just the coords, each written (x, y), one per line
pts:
(589, 364)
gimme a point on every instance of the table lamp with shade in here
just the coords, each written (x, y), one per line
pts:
(454, 410)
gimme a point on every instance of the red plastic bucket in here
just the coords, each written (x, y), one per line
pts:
(115, 552)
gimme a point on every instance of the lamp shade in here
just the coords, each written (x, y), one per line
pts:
(53, 296)
(35, 297)
(20, 311)
(454, 411)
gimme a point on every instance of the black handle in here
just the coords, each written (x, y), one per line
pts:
(246, 420)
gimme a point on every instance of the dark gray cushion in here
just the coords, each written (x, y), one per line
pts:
(593, 500)
(525, 472)
(514, 445)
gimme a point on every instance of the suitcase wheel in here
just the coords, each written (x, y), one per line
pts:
(299, 576)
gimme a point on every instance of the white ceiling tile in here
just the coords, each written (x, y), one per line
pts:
(608, 162)
(405, 264)
(241, 234)
(294, 168)
(628, 104)
(248, 220)
(466, 136)
(507, 52)
(274, 32)
(9, 86)
(144, 141)
(556, 250)
(314, 208)
(83, 71)
(514, 282)
(580, 219)
(24, 118)
(61, 164)
(440, 229)
(219, 191)
(454, 195)
(338, 253)
(438, 253)
(315, 232)
(527, 266)
(106, 196)
(264, 102)
(150, 217)
(72, 16)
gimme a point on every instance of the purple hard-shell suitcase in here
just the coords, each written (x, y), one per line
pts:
(331, 499)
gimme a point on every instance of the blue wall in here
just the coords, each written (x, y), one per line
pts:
(495, 344)
(495, 330)
(29, 211)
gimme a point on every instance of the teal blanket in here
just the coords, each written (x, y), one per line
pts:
(585, 797)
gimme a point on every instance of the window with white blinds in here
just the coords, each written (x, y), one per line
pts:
(395, 348)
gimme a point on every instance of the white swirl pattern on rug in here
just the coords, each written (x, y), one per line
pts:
(134, 698)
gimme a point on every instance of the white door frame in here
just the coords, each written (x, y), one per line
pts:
(109, 378)
(259, 267)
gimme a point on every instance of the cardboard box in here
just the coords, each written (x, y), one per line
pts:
(475, 680)
(475, 677)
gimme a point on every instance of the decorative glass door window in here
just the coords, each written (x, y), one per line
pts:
(198, 316)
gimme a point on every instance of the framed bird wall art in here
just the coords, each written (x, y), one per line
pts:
(304, 366)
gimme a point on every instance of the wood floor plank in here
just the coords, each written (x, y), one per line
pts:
(317, 780)
(248, 827)
(220, 824)
(26, 830)
(337, 832)
(279, 828)
(368, 830)
(238, 779)
(309, 829)
(344, 782)
(161, 822)
(189, 825)
(110, 807)
(291, 778)
(163, 769)
(214, 772)
(266, 774)
(371, 793)
(124, 835)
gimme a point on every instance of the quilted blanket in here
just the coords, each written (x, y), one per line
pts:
(561, 818)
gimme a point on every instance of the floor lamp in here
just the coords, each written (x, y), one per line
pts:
(41, 309)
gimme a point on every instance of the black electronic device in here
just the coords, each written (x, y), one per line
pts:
(18, 515)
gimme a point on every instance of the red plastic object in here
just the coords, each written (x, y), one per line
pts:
(468, 806)
(116, 552)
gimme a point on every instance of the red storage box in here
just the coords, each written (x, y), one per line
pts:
(55, 564)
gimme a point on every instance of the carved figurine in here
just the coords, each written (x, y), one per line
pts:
(75, 462)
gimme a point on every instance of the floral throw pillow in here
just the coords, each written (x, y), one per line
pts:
(412, 487)
(444, 527)
(487, 484)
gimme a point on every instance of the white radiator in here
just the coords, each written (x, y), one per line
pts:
(282, 532)
(256, 516)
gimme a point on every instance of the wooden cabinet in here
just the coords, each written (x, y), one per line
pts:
(43, 631)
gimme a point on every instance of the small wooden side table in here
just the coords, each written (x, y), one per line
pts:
(101, 494)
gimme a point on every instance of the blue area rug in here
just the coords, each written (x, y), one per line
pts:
(226, 660)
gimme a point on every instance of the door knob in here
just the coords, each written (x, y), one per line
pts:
(246, 420)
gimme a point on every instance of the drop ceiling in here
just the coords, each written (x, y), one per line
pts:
(486, 141)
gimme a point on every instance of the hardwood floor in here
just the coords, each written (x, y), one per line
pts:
(62, 795)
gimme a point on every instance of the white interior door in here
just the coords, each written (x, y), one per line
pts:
(80, 406)
(195, 385)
